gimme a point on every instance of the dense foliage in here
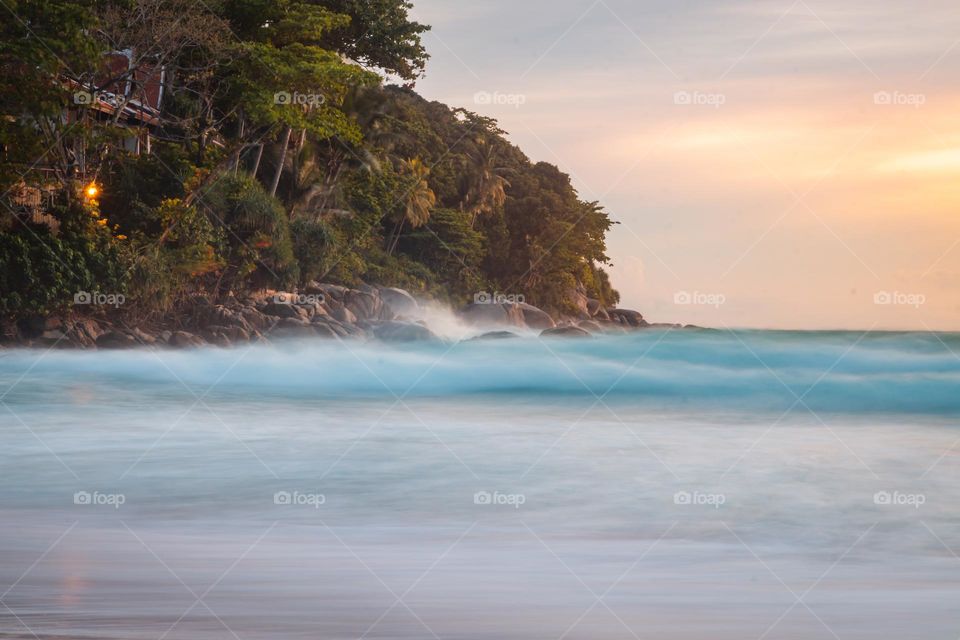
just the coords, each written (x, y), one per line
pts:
(279, 157)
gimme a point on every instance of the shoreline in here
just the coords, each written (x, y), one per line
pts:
(320, 310)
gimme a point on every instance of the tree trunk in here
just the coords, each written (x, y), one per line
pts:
(240, 149)
(395, 238)
(256, 161)
(282, 157)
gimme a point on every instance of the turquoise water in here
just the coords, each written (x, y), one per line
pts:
(657, 485)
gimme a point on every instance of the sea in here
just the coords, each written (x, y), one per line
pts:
(662, 484)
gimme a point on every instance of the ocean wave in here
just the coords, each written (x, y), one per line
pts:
(837, 371)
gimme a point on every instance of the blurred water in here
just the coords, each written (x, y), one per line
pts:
(659, 485)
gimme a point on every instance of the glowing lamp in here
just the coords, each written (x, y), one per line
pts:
(92, 191)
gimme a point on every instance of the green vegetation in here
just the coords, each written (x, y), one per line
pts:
(278, 156)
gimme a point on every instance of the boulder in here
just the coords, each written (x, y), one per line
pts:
(364, 304)
(185, 340)
(116, 340)
(343, 314)
(312, 309)
(142, 337)
(293, 328)
(87, 328)
(496, 335)
(328, 291)
(578, 296)
(536, 318)
(591, 326)
(399, 301)
(325, 330)
(79, 335)
(284, 310)
(403, 332)
(53, 334)
(565, 332)
(328, 324)
(256, 319)
(223, 316)
(225, 336)
(493, 314)
(596, 309)
(627, 317)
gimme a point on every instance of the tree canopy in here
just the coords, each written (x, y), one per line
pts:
(279, 155)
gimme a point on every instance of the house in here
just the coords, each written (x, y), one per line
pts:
(129, 95)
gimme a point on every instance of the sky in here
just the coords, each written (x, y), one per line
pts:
(781, 164)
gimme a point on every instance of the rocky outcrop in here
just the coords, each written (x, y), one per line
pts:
(365, 305)
(116, 340)
(185, 339)
(536, 318)
(403, 332)
(319, 310)
(496, 335)
(565, 332)
(627, 317)
(481, 314)
(399, 302)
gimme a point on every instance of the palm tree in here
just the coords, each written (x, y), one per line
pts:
(367, 107)
(419, 201)
(487, 187)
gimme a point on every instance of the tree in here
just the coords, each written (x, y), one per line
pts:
(42, 43)
(381, 35)
(487, 186)
(418, 200)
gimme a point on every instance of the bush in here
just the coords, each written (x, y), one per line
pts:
(256, 233)
(314, 244)
(40, 274)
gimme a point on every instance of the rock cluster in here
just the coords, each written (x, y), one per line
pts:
(593, 318)
(318, 311)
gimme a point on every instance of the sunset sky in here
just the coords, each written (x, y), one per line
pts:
(784, 163)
